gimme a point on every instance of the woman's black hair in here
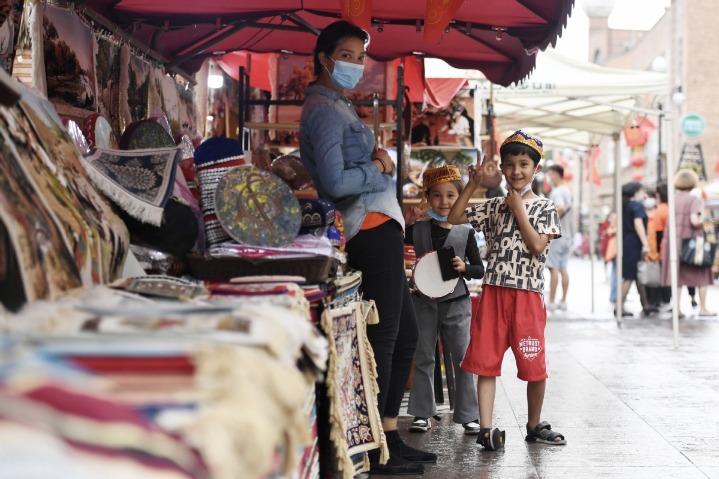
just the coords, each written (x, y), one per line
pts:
(628, 190)
(330, 37)
(515, 149)
(662, 192)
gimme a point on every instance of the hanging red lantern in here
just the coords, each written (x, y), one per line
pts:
(568, 175)
(638, 161)
(637, 177)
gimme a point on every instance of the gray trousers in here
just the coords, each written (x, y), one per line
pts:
(452, 320)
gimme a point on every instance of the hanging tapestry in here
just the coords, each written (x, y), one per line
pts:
(62, 230)
(69, 62)
(139, 181)
(134, 91)
(107, 64)
(178, 103)
(355, 425)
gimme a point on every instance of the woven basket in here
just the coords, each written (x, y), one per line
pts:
(223, 268)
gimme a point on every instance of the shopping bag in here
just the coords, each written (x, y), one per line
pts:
(649, 273)
(698, 252)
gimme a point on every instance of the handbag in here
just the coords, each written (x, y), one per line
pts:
(649, 273)
(697, 252)
(611, 251)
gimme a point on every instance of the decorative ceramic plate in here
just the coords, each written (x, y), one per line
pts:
(98, 132)
(75, 132)
(256, 207)
(145, 134)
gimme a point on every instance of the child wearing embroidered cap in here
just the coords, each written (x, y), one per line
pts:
(449, 315)
(512, 313)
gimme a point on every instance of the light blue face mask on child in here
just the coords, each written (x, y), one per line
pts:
(434, 215)
(345, 75)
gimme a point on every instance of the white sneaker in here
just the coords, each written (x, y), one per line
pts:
(471, 428)
(562, 306)
(551, 306)
(420, 424)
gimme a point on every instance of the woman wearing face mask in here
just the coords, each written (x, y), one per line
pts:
(635, 243)
(340, 155)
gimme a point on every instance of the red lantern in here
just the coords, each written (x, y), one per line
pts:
(568, 175)
(635, 136)
(638, 161)
(637, 177)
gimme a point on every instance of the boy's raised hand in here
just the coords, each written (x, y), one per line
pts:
(514, 201)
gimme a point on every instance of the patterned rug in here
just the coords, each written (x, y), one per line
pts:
(355, 425)
(139, 181)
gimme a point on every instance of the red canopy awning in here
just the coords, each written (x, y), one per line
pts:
(493, 36)
(257, 65)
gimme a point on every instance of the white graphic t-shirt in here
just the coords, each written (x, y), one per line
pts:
(509, 262)
(561, 196)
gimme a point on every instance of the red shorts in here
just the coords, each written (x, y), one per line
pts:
(508, 317)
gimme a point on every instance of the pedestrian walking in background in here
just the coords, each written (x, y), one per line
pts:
(561, 248)
(450, 315)
(661, 296)
(635, 245)
(689, 224)
(511, 311)
(608, 244)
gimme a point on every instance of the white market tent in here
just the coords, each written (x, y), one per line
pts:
(563, 101)
(567, 103)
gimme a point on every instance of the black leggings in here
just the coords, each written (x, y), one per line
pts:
(379, 254)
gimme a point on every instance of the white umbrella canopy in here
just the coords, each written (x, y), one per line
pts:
(570, 103)
(564, 101)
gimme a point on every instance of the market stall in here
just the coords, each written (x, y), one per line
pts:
(156, 280)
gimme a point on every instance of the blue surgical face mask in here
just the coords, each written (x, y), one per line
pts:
(345, 75)
(434, 215)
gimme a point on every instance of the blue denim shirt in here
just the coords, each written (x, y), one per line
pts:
(336, 150)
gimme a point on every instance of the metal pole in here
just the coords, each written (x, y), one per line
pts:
(659, 154)
(619, 226)
(400, 149)
(671, 220)
(670, 230)
(590, 169)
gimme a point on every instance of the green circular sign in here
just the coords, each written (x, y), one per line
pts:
(692, 124)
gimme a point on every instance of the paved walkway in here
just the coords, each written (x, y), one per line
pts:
(630, 404)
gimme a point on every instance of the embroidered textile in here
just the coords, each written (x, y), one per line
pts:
(139, 181)
(355, 425)
(61, 231)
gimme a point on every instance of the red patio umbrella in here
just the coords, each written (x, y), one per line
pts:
(496, 37)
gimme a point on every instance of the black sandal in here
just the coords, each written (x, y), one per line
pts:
(543, 434)
(491, 439)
